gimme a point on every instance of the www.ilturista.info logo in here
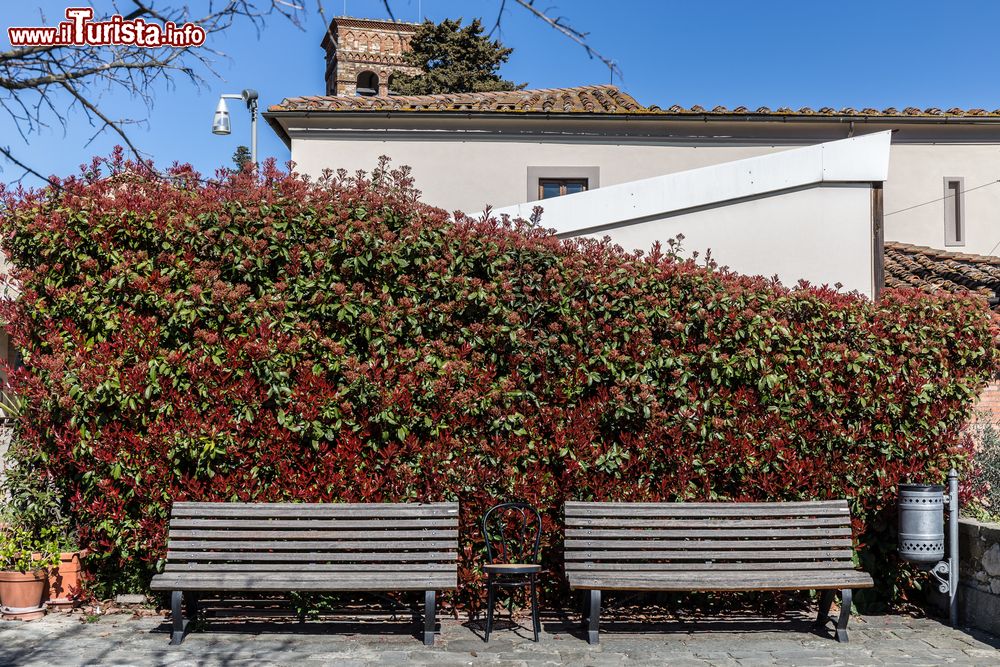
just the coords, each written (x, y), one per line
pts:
(81, 30)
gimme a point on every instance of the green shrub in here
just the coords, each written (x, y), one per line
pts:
(986, 473)
(269, 339)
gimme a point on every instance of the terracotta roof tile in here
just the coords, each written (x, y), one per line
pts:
(600, 99)
(582, 99)
(823, 111)
(932, 269)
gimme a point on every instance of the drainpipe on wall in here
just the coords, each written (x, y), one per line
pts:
(878, 240)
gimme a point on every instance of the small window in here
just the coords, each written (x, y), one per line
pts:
(367, 84)
(556, 187)
(954, 211)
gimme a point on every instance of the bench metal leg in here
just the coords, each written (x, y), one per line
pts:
(429, 617)
(179, 625)
(845, 615)
(193, 604)
(825, 600)
(593, 616)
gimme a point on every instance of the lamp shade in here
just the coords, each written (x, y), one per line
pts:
(220, 124)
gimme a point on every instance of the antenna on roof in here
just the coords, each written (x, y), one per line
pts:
(611, 68)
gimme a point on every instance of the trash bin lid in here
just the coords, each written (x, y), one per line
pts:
(925, 488)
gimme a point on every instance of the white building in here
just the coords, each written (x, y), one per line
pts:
(796, 212)
(809, 213)
(472, 150)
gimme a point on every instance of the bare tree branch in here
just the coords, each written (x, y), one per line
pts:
(108, 123)
(496, 26)
(388, 9)
(72, 75)
(34, 80)
(326, 23)
(559, 23)
(28, 170)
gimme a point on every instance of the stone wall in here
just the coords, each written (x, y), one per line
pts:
(979, 575)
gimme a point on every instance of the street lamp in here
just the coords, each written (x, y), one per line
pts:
(221, 125)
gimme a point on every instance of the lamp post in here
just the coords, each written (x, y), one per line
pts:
(221, 125)
(922, 534)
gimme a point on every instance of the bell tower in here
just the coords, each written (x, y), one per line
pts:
(363, 54)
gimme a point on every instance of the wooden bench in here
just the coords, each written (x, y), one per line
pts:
(285, 547)
(690, 547)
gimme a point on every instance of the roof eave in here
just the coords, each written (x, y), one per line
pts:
(639, 115)
(272, 119)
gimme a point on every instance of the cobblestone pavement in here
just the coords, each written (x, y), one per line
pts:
(120, 639)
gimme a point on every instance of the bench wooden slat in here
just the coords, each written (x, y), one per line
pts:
(696, 507)
(305, 557)
(306, 575)
(376, 585)
(304, 582)
(309, 510)
(719, 510)
(597, 533)
(783, 556)
(331, 523)
(229, 534)
(759, 581)
(748, 522)
(681, 543)
(315, 545)
(313, 567)
(711, 575)
(343, 508)
(575, 567)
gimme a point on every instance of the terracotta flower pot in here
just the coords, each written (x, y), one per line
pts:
(64, 580)
(21, 594)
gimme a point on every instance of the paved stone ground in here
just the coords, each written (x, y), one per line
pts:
(121, 639)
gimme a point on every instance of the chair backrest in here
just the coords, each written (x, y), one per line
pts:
(318, 537)
(708, 536)
(513, 533)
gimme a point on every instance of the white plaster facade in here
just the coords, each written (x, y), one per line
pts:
(798, 213)
(467, 161)
(801, 213)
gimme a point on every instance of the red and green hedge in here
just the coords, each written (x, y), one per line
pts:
(274, 339)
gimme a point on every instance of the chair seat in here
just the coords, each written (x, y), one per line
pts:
(511, 568)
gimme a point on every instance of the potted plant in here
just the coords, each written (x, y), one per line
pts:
(34, 508)
(65, 575)
(24, 563)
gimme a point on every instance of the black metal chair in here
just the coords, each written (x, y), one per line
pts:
(513, 533)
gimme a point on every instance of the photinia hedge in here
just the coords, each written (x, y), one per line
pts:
(266, 338)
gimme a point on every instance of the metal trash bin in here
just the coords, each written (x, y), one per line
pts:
(921, 522)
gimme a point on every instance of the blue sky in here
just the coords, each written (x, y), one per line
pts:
(763, 53)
